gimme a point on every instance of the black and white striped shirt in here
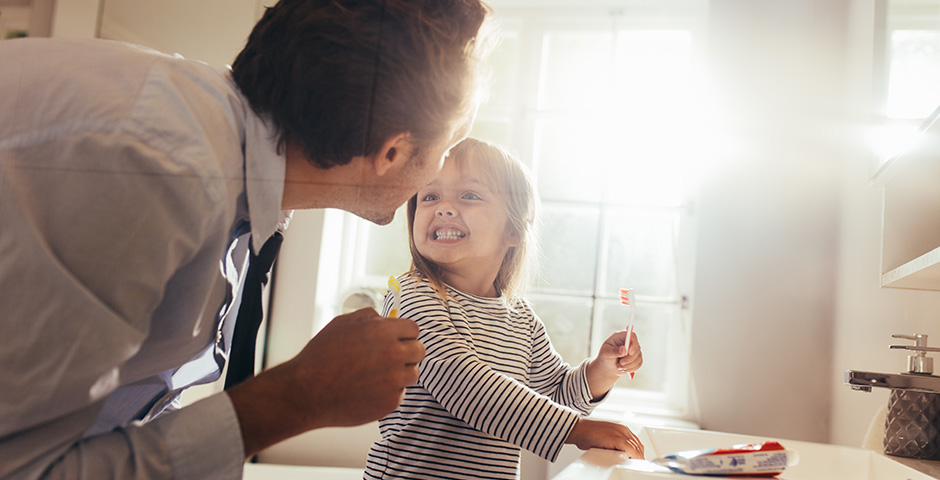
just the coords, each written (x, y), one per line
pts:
(490, 383)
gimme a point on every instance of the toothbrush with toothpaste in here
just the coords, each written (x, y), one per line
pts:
(626, 298)
(395, 288)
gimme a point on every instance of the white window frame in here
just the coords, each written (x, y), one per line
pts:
(531, 25)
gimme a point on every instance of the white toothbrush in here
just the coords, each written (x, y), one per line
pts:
(626, 295)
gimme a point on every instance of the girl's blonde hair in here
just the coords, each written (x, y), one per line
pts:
(509, 179)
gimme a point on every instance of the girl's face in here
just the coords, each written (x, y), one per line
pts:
(461, 225)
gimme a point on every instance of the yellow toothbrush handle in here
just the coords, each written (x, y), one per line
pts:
(395, 288)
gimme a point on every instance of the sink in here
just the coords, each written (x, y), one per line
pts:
(817, 461)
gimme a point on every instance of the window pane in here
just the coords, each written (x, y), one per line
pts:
(651, 327)
(568, 244)
(648, 172)
(568, 323)
(650, 118)
(914, 83)
(569, 160)
(654, 71)
(503, 60)
(388, 252)
(575, 70)
(640, 253)
(498, 131)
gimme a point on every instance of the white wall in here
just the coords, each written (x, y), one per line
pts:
(768, 219)
(212, 31)
(787, 290)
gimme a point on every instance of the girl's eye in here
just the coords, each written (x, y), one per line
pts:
(470, 196)
(428, 197)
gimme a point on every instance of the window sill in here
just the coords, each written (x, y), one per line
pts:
(636, 416)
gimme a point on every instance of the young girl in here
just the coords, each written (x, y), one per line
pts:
(491, 381)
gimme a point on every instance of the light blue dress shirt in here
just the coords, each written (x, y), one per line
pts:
(123, 175)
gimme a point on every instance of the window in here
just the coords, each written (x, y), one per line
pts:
(603, 107)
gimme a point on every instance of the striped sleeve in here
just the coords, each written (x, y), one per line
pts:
(551, 376)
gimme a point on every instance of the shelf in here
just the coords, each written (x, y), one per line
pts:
(910, 249)
(922, 273)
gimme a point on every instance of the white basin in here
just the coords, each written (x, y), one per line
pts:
(817, 461)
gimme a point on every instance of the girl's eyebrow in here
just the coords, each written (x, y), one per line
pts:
(472, 181)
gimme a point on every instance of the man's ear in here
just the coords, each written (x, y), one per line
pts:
(395, 151)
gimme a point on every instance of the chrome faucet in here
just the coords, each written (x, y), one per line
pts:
(918, 378)
(912, 419)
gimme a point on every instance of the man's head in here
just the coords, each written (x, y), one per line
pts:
(340, 77)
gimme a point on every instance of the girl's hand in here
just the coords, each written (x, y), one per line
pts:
(614, 358)
(608, 435)
(612, 361)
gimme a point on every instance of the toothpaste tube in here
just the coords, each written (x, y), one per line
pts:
(767, 459)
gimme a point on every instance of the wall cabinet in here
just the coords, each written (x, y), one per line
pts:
(910, 253)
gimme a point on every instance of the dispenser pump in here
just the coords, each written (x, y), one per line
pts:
(917, 361)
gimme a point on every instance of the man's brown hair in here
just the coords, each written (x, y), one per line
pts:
(340, 77)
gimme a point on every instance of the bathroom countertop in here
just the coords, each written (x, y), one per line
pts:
(927, 467)
(874, 440)
(817, 461)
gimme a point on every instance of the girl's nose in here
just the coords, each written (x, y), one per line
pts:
(445, 209)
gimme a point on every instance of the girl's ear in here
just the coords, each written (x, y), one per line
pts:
(512, 236)
(395, 151)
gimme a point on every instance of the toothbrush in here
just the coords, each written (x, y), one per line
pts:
(395, 288)
(626, 295)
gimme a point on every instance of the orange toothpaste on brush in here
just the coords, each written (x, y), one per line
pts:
(626, 298)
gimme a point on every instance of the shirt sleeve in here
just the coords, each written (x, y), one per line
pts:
(204, 439)
(473, 392)
(551, 376)
(201, 441)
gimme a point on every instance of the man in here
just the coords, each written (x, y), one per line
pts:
(132, 185)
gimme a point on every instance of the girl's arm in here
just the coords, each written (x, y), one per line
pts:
(550, 375)
(487, 400)
(555, 378)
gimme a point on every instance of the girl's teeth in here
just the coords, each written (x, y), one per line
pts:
(448, 235)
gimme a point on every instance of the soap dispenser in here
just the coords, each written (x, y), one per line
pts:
(912, 424)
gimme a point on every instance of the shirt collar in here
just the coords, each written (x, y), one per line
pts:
(264, 177)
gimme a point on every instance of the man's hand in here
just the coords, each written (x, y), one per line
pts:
(354, 371)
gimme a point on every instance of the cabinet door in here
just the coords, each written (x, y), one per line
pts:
(911, 216)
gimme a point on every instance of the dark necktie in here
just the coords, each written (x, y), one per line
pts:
(241, 365)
